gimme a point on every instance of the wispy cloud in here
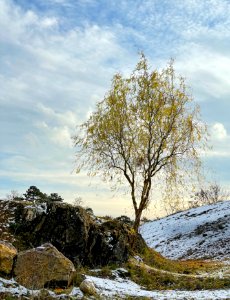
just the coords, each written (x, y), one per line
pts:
(50, 80)
(57, 58)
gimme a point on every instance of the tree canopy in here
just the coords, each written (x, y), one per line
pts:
(34, 194)
(146, 125)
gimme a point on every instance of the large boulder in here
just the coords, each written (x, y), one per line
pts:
(7, 255)
(43, 266)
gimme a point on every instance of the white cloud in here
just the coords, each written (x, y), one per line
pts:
(64, 118)
(61, 136)
(222, 152)
(220, 142)
(49, 22)
(208, 70)
(219, 132)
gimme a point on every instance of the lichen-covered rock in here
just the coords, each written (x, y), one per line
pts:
(7, 255)
(88, 287)
(43, 266)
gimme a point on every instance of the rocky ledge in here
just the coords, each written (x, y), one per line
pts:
(74, 231)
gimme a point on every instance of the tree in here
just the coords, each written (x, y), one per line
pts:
(34, 194)
(209, 195)
(14, 195)
(147, 125)
(78, 201)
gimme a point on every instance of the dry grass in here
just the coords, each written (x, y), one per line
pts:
(157, 272)
(154, 259)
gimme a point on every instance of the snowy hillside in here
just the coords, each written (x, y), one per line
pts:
(202, 232)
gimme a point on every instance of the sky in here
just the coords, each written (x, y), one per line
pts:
(57, 59)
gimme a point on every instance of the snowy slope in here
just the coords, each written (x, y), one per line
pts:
(202, 232)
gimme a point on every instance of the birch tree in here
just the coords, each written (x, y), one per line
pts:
(146, 125)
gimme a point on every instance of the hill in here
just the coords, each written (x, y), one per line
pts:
(106, 254)
(198, 233)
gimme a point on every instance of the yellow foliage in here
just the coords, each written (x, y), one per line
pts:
(147, 124)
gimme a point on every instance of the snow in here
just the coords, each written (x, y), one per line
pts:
(40, 208)
(202, 232)
(12, 287)
(138, 258)
(76, 292)
(118, 287)
(123, 287)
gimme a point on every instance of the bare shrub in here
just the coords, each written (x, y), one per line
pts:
(209, 195)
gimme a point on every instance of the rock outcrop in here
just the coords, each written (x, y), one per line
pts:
(7, 255)
(76, 233)
(43, 266)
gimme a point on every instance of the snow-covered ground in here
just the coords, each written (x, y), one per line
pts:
(202, 232)
(17, 290)
(120, 288)
(117, 289)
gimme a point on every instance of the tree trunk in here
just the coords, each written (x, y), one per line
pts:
(143, 203)
(137, 221)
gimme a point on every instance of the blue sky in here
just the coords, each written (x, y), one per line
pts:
(57, 58)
